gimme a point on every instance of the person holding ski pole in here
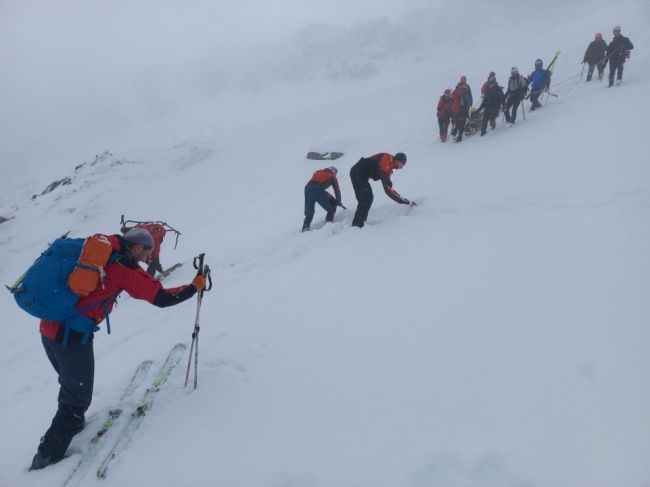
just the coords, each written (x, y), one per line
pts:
(315, 192)
(377, 167)
(617, 52)
(516, 92)
(540, 79)
(69, 344)
(595, 56)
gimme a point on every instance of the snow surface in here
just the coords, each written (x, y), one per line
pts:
(496, 335)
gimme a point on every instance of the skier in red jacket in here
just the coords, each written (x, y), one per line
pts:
(72, 357)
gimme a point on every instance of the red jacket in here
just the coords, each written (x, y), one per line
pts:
(444, 107)
(123, 275)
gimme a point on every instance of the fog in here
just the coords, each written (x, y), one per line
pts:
(83, 76)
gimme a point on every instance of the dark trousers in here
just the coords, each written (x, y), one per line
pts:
(512, 105)
(324, 199)
(75, 366)
(534, 98)
(614, 66)
(590, 71)
(443, 124)
(459, 128)
(363, 193)
(489, 116)
(153, 266)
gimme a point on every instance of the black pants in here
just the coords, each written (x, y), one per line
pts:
(153, 266)
(75, 366)
(443, 124)
(459, 128)
(534, 99)
(615, 65)
(512, 105)
(590, 71)
(489, 116)
(363, 193)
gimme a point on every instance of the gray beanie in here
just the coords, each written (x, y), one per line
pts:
(139, 236)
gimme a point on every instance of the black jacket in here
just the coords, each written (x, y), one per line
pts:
(493, 99)
(596, 52)
(618, 48)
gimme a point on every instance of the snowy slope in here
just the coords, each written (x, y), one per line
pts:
(494, 335)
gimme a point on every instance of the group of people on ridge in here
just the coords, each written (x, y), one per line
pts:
(454, 107)
(598, 53)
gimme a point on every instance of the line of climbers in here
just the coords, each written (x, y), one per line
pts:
(455, 107)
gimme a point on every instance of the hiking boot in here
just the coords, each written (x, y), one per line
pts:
(40, 461)
(306, 224)
(459, 138)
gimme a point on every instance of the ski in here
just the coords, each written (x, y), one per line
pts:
(141, 409)
(89, 455)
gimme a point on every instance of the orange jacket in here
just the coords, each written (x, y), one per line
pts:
(323, 179)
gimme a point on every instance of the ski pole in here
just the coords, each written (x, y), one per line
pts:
(582, 72)
(194, 347)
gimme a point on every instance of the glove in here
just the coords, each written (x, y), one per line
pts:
(165, 273)
(412, 204)
(199, 282)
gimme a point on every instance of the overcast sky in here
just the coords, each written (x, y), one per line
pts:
(81, 74)
(77, 72)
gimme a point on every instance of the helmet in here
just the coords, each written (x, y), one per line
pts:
(400, 157)
(448, 91)
(514, 70)
(539, 62)
(463, 79)
(492, 73)
(599, 35)
(617, 28)
(333, 169)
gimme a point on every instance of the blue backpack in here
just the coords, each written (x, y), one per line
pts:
(43, 290)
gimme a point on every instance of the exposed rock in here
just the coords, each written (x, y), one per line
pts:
(53, 186)
(3, 219)
(326, 156)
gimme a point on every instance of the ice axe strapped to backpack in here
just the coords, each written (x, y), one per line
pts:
(69, 269)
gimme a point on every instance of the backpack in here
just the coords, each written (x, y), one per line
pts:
(158, 233)
(69, 269)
